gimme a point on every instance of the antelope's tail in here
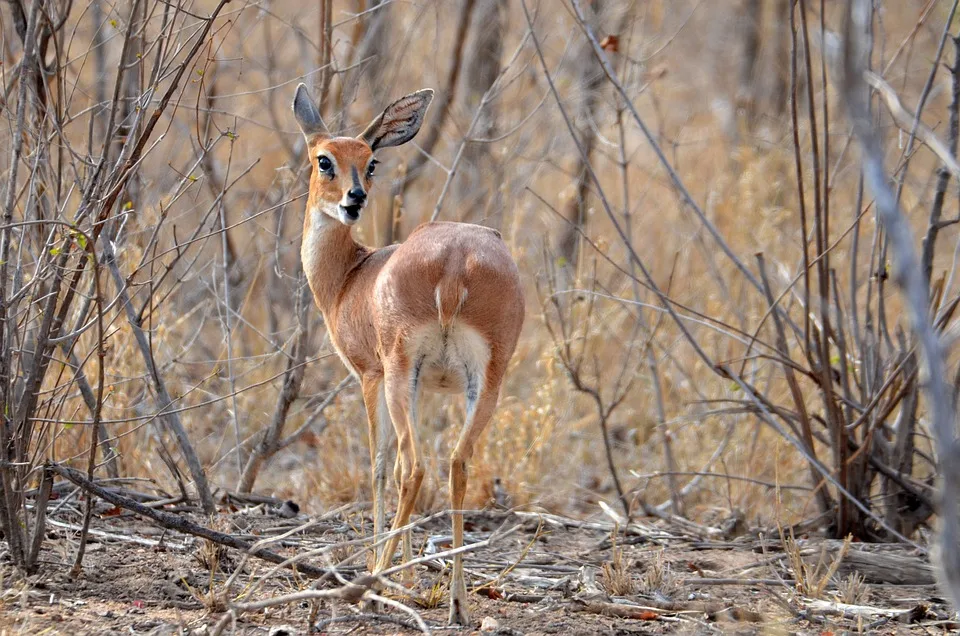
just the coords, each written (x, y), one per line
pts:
(450, 295)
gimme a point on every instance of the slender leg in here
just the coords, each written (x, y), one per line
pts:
(480, 408)
(377, 422)
(407, 575)
(402, 392)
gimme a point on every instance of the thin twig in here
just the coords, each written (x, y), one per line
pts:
(909, 276)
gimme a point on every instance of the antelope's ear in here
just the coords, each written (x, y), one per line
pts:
(308, 117)
(399, 122)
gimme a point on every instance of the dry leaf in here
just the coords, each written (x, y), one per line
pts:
(611, 44)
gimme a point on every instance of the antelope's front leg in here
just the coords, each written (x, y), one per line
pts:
(377, 421)
(402, 395)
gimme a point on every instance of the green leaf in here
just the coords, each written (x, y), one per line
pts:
(54, 251)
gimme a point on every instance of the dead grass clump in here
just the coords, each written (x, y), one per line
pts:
(812, 578)
(659, 577)
(852, 589)
(210, 555)
(211, 598)
(615, 574)
(435, 596)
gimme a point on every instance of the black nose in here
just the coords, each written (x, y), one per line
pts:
(358, 195)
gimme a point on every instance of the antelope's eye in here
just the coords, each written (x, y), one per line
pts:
(372, 167)
(324, 164)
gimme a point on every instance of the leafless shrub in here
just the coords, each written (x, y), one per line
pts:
(829, 327)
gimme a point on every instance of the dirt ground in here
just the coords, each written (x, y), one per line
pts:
(549, 576)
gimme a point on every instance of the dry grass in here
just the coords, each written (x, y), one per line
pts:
(658, 577)
(851, 589)
(813, 576)
(615, 574)
(543, 445)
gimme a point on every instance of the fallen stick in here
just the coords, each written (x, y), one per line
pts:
(175, 522)
(712, 610)
(634, 528)
(854, 612)
(150, 543)
(620, 610)
(732, 581)
(647, 612)
(352, 592)
(365, 618)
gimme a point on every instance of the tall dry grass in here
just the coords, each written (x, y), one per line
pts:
(220, 310)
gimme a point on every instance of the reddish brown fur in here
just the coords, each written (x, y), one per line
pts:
(349, 151)
(455, 256)
(451, 288)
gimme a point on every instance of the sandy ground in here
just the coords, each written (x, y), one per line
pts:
(549, 576)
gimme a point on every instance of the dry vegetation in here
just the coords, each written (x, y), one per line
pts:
(713, 344)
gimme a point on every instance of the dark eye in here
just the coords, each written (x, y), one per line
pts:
(372, 167)
(324, 164)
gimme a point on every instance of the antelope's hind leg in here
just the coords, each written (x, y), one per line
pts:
(481, 401)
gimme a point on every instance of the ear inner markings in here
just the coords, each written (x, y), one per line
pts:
(399, 122)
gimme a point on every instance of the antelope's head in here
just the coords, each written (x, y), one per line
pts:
(343, 167)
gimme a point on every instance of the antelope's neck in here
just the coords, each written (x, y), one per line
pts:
(328, 252)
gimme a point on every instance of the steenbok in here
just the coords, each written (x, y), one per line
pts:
(439, 312)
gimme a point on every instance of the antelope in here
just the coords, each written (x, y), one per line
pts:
(440, 312)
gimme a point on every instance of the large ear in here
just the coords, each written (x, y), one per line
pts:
(308, 117)
(399, 122)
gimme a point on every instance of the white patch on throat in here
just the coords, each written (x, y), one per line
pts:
(312, 245)
(311, 242)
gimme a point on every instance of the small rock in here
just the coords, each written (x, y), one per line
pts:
(288, 509)
(489, 624)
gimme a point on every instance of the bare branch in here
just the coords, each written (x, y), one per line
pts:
(909, 276)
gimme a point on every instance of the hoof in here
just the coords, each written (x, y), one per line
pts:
(459, 614)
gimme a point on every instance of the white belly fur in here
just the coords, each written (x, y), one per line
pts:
(446, 357)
